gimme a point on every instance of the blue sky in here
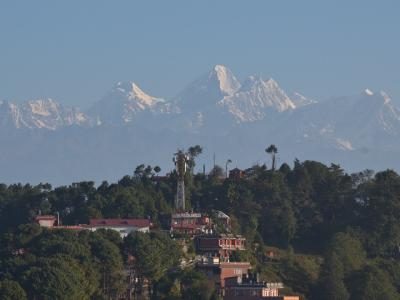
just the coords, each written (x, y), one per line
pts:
(74, 51)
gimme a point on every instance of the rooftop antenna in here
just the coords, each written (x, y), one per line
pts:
(180, 159)
(214, 160)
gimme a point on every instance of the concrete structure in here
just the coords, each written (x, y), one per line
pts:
(219, 245)
(189, 223)
(122, 226)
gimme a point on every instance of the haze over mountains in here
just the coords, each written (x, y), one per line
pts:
(46, 141)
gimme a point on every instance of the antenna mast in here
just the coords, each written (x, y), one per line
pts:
(180, 161)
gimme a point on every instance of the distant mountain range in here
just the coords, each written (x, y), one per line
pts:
(46, 141)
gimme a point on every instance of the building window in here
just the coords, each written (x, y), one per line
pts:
(237, 271)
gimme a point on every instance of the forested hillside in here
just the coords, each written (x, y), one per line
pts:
(334, 235)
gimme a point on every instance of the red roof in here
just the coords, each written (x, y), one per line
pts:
(120, 222)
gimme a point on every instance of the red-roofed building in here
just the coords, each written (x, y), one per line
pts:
(189, 223)
(123, 226)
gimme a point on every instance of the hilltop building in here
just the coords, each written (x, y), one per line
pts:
(51, 222)
(248, 286)
(122, 226)
(189, 223)
(217, 271)
(47, 221)
(219, 245)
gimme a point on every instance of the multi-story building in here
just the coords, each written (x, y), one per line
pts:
(249, 287)
(189, 223)
(217, 271)
(122, 226)
(219, 245)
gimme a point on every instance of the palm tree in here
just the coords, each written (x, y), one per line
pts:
(272, 150)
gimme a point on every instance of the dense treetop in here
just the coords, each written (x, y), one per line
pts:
(335, 232)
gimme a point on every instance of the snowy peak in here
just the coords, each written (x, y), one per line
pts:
(368, 92)
(380, 98)
(300, 100)
(131, 91)
(40, 113)
(207, 90)
(386, 97)
(255, 99)
(124, 103)
(228, 83)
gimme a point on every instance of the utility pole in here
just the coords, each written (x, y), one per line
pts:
(214, 160)
(226, 167)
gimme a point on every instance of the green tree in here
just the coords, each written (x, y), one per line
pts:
(334, 287)
(196, 286)
(193, 153)
(272, 150)
(373, 284)
(155, 254)
(349, 251)
(380, 202)
(11, 290)
(55, 278)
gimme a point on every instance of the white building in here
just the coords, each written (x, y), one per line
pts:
(122, 226)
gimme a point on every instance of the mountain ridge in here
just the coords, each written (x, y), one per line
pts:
(129, 126)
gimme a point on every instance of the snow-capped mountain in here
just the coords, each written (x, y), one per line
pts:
(207, 90)
(234, 119)
(255, 99)
(299, 100)
(363, 121)
(219, 100)
(216, 99)
(124, 102)
(42, 113)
